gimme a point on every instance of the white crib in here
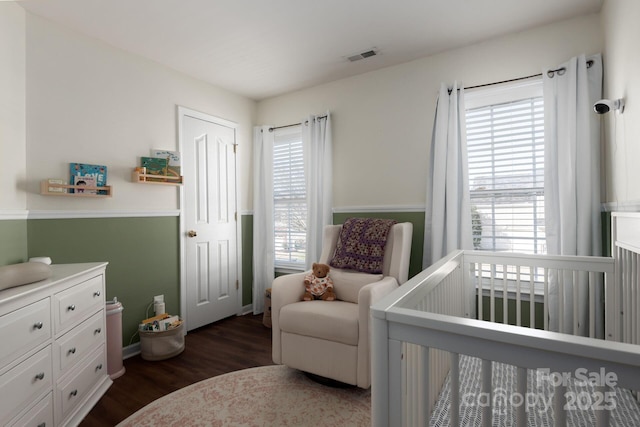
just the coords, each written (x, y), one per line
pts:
(461, 306)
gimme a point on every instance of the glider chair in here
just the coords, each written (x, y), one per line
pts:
(331, 339)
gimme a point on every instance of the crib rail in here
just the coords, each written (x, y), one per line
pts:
(624, 318)
(575, 282)
(420, 329)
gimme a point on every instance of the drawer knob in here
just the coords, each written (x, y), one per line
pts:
(71, 307)
(73, 393)
(98, 367)
(40, 376)
(72, 350)
(38, 325)
(96, 294)
(97, 331)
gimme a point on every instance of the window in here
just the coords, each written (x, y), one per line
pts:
(505, 143)
(289, 194)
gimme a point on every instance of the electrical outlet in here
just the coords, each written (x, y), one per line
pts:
(158, 298)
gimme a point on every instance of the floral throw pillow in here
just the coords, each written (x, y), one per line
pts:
(361, 244)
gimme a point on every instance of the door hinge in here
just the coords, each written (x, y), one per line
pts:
(235, 216)
(235, 146)
(237, 284)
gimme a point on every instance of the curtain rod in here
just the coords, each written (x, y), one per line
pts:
(295, 124)
(560, 71)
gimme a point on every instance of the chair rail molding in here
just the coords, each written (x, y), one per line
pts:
(75, 214)
(13, 214)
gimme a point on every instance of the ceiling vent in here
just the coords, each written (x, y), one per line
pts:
(363, 55)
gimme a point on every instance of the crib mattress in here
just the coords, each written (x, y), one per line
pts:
(539, 402)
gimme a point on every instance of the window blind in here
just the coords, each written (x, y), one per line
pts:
(290, 207)
(505, 145)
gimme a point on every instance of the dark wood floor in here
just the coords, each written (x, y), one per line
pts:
(225, 346)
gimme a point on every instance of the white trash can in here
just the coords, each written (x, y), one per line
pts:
(115, 368)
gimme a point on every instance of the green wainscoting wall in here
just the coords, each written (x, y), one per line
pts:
(143, 256)
(415, 266)
(143, 253)
(525, 306)
(416, 218)
(247, 259)
(13, 241)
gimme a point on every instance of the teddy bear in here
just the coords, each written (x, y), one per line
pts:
(318, 284)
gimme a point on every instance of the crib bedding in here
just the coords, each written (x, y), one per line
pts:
(539, 395)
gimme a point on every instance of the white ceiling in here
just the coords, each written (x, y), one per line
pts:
(263, 48)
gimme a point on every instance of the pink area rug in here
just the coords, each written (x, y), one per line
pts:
(264, 396)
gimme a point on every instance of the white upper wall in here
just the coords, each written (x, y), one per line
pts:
(382, 121)
(88, 102)
(12, 109)
(622, 80)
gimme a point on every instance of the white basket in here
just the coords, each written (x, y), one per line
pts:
(162, 345)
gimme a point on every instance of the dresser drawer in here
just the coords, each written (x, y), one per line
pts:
(21, 385)
(75, 304)
(79, 342)
(77, 388)
(41, 415)
(24, 329)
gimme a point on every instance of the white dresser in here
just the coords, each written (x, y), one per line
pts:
(53, 364)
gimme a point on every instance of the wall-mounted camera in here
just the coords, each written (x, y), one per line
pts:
(605, 105)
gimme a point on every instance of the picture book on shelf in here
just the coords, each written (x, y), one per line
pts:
(154, 166)
(87, 181)
(98, 172)
(173, 160)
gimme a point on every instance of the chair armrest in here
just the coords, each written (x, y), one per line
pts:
(368, 296)
(371, 293)
(284, 290)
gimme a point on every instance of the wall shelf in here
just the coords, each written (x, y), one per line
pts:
(48, 189)
(143, 178)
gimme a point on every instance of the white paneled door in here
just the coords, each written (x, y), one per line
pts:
(210, 238)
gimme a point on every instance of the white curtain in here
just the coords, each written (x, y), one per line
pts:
(317, 149)
(572, 177)
(263, 233)
(448, 212)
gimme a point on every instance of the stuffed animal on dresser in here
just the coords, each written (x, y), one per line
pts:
(318, 284)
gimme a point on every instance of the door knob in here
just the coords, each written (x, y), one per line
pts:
(192, 233)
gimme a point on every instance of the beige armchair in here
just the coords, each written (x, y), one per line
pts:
(332, 338)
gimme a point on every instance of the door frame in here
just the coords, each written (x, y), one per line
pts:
(183, 112)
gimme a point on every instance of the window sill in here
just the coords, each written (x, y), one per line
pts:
(280, 270)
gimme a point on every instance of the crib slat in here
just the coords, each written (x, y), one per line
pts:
(635, 296)
(602, 415)
(492, 294)
(480, 293)
(521, 414)
(518, 298)
(487, 390)
(546, 299)
(575, 285)
(532, 301)
(592, 304)
(627, 291)
(423, 394)
(559, 414)
(396, 382)
(454, 375)
(560, 301)
(505, 297)
(617, 319)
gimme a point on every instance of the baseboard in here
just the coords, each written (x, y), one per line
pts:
(131, 350)
(247, 309)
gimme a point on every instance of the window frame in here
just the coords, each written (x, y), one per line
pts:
(495, 96)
